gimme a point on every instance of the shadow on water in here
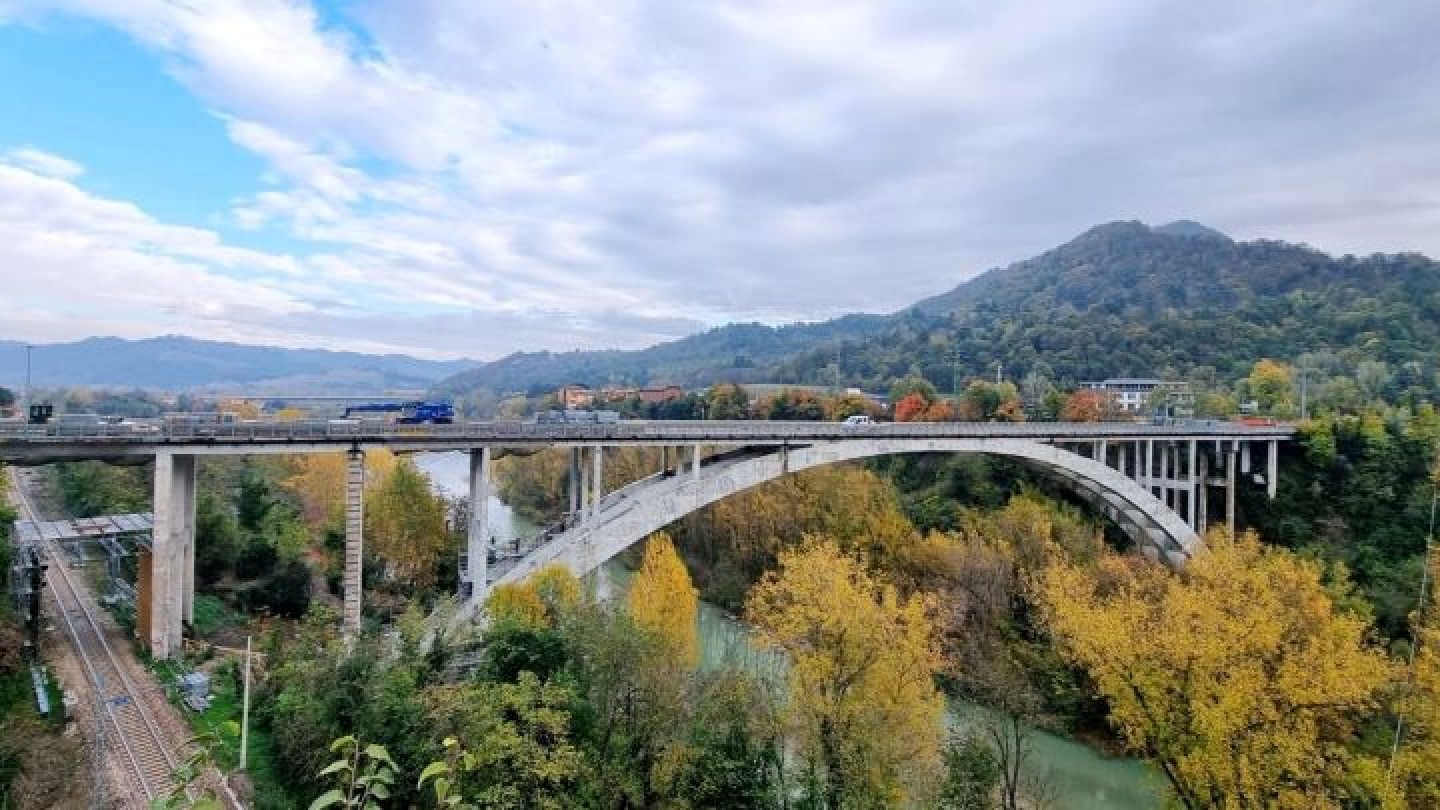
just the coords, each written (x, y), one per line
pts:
(1080, 777)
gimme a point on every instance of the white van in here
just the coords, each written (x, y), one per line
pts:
(859, 419)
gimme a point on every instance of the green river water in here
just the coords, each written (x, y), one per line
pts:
(1080, 777)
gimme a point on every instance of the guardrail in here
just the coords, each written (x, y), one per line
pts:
(625, 432)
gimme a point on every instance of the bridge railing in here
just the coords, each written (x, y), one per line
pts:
(655, 432)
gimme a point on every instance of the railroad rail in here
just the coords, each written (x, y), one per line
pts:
(142, 746)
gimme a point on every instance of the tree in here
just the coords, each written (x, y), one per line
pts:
(1085, 405)
(983, 401)
(511, 745)
(863, 708)
(912, 384)
(1417, 760)
(1271, 385)
(728, 401)
(911, 408)
(405, 525)
(663, 601)
(217, 539)
(1238, 676)
(971, 775)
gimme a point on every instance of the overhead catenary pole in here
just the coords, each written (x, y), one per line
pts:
(245, 709)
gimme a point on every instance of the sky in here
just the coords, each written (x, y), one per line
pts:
(473, 178)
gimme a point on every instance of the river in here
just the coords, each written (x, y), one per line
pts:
(1082, 778)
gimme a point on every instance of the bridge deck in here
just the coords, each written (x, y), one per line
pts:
(21, 442)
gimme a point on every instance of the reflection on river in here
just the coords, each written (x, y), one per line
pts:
(1080, 777)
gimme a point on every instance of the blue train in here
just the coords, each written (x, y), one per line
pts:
(407, 413)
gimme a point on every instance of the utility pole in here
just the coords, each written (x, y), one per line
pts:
(245, 708)
(1304, 412)
(999, 372)
(25, 412)
(955, 370)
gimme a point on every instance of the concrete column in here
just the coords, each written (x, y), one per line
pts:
(1166, 469)
(582, 515)
(1194, 486)
(1149, 474)
(1245, 458)
(478, 535)
(354, 542)
(664, 458)
(1097, 451)
(1272, 470)
(170, 597)
(695, 457)
(1230, 490)
(597, 479)
(1203, 490)
(574, 481)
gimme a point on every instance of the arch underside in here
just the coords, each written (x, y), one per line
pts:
(648, 505)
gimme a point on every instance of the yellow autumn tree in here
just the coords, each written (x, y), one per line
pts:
(664, 601)
(405, 526)
(1416, 776)
(863, 709)
(538, 601)
(1238, 676)
(318, 480)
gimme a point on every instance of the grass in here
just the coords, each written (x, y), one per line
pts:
(216, 723)
(212, 614)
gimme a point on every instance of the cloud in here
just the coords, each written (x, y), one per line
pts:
(515, 174)
(45, 163)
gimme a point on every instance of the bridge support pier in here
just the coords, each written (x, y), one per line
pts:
(166, 597)
(597, 479)
(354, 542)
(574, 482)
(477, 536)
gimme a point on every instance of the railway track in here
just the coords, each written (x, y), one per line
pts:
(135, 739)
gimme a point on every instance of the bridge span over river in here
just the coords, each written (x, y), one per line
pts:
(1155, 482)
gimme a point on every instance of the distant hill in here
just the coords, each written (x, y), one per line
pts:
(1120, 299)
(741, 352)
(180, 363)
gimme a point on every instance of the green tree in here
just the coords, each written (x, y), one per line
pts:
(217, 539)
(727, 401)
(509, 745)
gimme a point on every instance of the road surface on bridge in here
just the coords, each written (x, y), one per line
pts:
(22, 443)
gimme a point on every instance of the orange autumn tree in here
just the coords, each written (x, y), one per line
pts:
(1085, 405)
(911, 408)
(863, 710)
(663, 600)
(1238, 676)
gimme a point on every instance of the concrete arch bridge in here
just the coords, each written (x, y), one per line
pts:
(1156, 482)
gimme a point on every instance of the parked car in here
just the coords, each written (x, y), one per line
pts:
(858, 419)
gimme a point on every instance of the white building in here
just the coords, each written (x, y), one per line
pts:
(1131, 393)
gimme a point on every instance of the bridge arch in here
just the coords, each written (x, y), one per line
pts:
(635, 511)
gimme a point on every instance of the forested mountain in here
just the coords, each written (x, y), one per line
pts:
(743, 352)
(175, 363)
(1121, 299)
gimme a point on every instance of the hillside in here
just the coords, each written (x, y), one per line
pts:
(1120, 299)
(176, 363)
(736, 352)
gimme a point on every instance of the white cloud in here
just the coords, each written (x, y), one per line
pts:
(45, 163)
(549, 164)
